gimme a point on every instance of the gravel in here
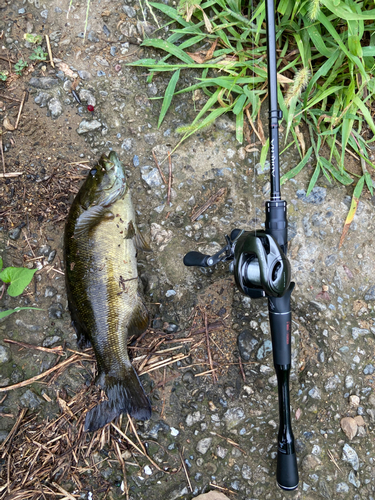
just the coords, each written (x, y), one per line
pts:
(332, 333)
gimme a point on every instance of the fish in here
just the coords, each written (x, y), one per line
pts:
(101, 241)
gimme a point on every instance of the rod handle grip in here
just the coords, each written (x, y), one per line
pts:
(287, 471)
(196, 259)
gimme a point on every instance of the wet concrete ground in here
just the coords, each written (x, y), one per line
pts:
(228, 429)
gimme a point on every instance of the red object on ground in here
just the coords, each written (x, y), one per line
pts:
(90, 108)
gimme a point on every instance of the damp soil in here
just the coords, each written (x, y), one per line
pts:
(214, 397)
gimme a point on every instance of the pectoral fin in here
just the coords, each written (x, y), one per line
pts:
(139, 241)
(90, 218)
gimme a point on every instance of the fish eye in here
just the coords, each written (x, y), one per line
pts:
(93, 171)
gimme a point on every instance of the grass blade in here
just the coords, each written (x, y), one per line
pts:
(296, 170)
(313, 179)
(353, 208)
(168, 47)
(168, 96)
(239, 126)
(263, 154)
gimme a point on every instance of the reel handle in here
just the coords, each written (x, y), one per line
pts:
(196, 259)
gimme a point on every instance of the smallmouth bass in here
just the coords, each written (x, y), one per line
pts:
(100, 244)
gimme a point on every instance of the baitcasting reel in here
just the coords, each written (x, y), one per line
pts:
(259, 265)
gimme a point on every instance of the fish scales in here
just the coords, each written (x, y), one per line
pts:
(101, 241)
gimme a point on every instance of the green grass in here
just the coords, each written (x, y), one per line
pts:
(326, 53)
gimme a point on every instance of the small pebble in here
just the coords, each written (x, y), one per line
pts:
(349, 426)
(354, 401)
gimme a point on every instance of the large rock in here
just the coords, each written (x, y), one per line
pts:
(212, 495)
(45, 82)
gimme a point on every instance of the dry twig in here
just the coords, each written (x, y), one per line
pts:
(209, 202)
(24, 383)
(181, 453)
(158, 167)
(50, 51)
(52, 350)
(9, 174)
(20, 109)
(2, 153)
(169, 179)
(214, 378)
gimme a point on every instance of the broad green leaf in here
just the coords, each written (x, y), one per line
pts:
(296, 170)
(18, 277)
(168, 47)
(168, 96)
(4, 314)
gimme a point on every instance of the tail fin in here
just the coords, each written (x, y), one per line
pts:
(125, 395)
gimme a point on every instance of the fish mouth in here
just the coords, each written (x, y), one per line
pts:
(116, 176)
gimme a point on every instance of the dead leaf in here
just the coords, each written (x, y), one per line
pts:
(301, 139)
(283, 79)
(200, 57)
(7, 125)
(190, 11)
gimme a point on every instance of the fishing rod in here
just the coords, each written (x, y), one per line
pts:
(261, 269)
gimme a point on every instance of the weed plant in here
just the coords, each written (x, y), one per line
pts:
(326, 62)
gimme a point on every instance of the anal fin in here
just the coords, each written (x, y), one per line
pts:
(139, 320)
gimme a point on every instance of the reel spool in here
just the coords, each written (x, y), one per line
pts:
(260, 267)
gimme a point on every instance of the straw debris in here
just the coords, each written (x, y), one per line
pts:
(54, 459)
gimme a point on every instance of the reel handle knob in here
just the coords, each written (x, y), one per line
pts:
(196, 259)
